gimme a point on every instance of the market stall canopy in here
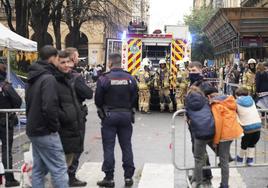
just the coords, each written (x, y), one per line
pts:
(13, 41)
(229, 25)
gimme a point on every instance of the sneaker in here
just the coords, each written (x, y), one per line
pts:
(239, 159)
(106, 183)
(13, 183)
(249, 161)
(129, 182)
(73, 182)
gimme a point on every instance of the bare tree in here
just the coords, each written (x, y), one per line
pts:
(21, 16)
(56, 18)
(8, 11)
(79, 11)
(41, 13)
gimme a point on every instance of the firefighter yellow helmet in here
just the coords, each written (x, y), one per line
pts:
(145, 62)
(178, 62)
(162, 61)
(252, 61)
(181, 64)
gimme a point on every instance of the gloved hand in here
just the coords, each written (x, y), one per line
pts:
(101, 113)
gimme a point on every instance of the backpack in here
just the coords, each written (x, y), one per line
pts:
(201, 122)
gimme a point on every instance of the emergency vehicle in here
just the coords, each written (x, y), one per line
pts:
(135, 47)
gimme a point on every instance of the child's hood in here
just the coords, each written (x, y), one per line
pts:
(227, 101)
(245, 101)
(195, 101)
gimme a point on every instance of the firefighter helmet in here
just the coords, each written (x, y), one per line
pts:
(145, 62)
(181, 64)
(186, 59)
(162, 61)
(178, 62)
(252, 61)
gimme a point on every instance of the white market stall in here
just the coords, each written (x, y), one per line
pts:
(12, 41)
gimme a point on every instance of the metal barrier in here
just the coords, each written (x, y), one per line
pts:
(222, 85)
(186, 168)
(19, 113)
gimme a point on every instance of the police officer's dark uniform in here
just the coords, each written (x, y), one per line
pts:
(115, 97)
(8, 99)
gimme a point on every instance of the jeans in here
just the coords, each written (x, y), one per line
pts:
(48, 156)
(200, 158)
(224, 151)
(9, 175)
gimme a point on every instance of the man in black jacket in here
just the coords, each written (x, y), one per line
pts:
(83, 92)
(70, 111)
(42, 110)
(8, 99)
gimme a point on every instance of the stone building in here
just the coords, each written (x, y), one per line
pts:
(217, 3)
(93, 32)
(254, 3)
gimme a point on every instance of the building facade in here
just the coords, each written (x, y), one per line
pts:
(202, 3)
(231, 3)
(217, 3)
(93, 33)
(254, 3)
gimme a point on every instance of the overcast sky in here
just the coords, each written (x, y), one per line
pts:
(167, 12)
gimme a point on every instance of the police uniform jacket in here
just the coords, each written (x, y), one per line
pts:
(116, 89)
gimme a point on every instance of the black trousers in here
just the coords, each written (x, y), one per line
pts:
(117, 124)
(3, 136)
(75, 163)
(249, 140)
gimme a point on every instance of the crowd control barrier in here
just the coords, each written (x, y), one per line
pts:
(19, 132)
(260, 161)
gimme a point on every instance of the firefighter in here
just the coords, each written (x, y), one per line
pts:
(181, 84)
(143, 78)
(162, 82)
(249, 77)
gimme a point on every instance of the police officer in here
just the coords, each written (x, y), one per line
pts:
(181, 84)
(8, 99)
(115, 98)
(143, 78)
(162, 82)
(249, 77)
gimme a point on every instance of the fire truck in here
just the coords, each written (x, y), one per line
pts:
(172, 46)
